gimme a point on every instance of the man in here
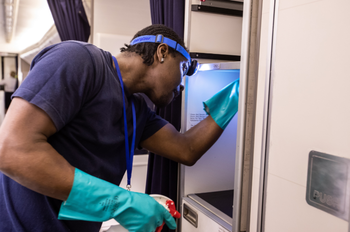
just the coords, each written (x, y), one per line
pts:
(10, 84)
(63, 143)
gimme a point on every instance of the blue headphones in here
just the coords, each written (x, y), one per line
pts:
(192, 65)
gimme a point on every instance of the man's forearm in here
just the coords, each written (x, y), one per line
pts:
(184, 148)
(201, 137)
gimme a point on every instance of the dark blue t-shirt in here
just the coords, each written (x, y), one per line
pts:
(76, 84)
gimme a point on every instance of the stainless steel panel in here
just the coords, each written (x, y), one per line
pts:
(241, 121)
(251, 103)
(210, 208)
(233, 5)
(219, 66)
(207, 221)
(328, 184)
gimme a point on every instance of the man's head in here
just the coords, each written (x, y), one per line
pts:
(167, 58)
(13, 74)
(147, 50)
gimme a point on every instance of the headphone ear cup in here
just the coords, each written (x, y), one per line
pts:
(193, 69)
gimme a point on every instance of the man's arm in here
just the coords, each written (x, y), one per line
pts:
(27, 157)
(184, 148)
(187, 148)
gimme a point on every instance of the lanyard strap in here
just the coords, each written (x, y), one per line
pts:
(129, 153)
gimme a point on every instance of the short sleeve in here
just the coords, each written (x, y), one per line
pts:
(61, 79)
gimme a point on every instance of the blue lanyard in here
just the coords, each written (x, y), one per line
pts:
(129, 153)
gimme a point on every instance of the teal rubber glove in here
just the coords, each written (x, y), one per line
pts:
(93, 199)
(223, 105)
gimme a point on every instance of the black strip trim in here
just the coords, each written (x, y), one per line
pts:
(16, 60)
(198, 55)
(217, 10)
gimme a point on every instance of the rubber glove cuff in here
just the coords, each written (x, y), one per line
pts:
(93, 199)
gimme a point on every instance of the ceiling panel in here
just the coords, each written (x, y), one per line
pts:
(34, 20)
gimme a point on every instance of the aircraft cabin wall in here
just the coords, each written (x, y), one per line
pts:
(303, 64)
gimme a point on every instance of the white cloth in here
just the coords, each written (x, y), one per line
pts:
(10, 84)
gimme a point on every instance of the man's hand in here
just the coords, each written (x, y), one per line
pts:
(93, 199)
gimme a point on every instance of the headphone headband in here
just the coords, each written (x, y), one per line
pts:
(161, 39)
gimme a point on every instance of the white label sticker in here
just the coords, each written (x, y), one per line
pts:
(196, 118)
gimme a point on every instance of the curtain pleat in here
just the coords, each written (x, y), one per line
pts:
(70, 19)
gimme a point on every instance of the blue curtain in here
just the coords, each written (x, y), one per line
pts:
(70, 19)
(169, 13)
(162, 172)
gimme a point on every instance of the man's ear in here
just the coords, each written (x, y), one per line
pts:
(162, 51)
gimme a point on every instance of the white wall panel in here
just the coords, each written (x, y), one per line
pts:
(309, 108)
(309, 104)
(254, 200)
(287, 210)
(139, 174)
(120, 17)
(112, 43)
(285, 4)
(214, 33)
(9, 66)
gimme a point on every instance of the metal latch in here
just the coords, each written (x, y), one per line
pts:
(190, 215)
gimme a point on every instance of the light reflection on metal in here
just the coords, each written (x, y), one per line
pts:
(219, 66)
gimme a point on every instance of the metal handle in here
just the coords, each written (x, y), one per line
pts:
(190, 215)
